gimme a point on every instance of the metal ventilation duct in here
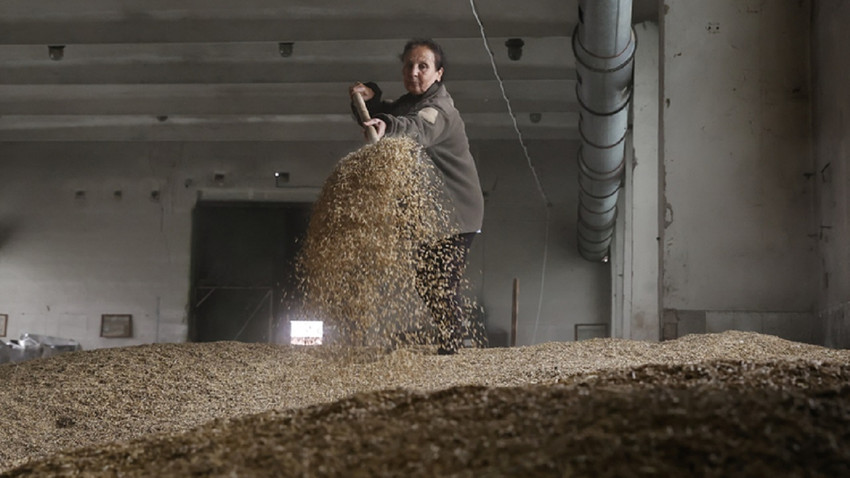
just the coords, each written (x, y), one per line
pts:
(604, 47)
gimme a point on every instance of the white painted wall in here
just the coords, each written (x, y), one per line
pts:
(737, 162)
(831, 75)
(516, 238)
(64, 260)
(640, 218)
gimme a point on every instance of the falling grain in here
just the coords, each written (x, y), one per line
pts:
(357, 266)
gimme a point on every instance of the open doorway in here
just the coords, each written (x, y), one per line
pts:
(243, 256)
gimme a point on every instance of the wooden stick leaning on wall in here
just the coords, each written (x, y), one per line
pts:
(514, 312)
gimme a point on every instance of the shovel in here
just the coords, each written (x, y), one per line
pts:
(363, 113)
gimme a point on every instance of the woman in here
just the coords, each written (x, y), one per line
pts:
(427, 114)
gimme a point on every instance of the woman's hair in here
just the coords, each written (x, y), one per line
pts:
(439, 57)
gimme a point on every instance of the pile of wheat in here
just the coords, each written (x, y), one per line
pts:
(731, 404)
(357, 265)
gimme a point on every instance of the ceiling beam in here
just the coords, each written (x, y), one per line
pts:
(210, 70)
(281, 98)
(466, 59)
(164, 21)
(340, 127)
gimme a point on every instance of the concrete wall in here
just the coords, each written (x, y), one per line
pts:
(831, 75)
(739, 245)
(520, 230)
(638, 233)
(72, 248)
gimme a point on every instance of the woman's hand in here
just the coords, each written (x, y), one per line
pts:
(380, 126)
(364, 91)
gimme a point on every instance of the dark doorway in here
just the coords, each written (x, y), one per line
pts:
(243, 257)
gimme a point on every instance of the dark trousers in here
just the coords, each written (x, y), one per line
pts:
(439, 273)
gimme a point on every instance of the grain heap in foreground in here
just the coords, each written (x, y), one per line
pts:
(731, 404)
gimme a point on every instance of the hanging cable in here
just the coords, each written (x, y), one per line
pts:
(537, 181)
(544, 197)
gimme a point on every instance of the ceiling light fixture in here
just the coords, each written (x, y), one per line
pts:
(514, 48)
(56, 52)
(285, 49)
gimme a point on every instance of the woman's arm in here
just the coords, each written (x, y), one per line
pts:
(426, 125)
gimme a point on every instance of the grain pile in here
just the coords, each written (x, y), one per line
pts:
(357, 265)
(731, 404)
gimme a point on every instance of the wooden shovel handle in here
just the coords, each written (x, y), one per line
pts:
(363, 113)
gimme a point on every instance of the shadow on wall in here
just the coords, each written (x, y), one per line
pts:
(7, 227)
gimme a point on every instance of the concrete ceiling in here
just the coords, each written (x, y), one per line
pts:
(210, 70)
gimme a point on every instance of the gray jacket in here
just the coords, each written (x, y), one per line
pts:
(432, 120)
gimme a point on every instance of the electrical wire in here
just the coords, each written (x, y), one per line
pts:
(545, 198)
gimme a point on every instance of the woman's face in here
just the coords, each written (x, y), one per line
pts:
(418, 71)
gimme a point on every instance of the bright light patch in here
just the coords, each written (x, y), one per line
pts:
(306, 332)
